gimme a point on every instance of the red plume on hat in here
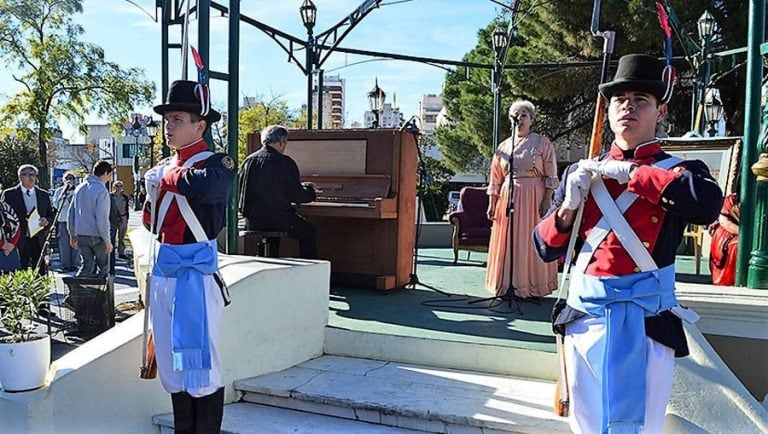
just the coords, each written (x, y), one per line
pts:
(191, 96)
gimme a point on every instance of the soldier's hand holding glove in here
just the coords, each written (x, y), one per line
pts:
(576, 188)
(152, 179)
(614, 169)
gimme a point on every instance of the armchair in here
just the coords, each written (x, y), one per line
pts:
(471, 227)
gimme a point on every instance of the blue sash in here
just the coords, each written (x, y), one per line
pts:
(624, 301)
(189, 263)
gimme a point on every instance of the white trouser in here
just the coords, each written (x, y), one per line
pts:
(587, 335)
(161, 306)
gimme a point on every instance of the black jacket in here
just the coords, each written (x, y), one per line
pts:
(270, 185)
(12, 196)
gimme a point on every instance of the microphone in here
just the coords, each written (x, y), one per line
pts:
(69, 187)
(515, 120)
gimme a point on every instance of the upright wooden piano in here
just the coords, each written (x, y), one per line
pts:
(365, 215)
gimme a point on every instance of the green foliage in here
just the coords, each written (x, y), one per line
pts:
(62, 77)
(21, 293)
(436, 184)
(262, 114)
(16, 151)
(558, 32)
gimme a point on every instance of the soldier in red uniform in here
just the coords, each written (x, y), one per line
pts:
(187, 198)
(621, 323)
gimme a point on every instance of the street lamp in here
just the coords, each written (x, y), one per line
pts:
(152, 128)
(713, 109)
(499, 41)
(136, 133)
(308, 12)
(707, 27)
(376, 100)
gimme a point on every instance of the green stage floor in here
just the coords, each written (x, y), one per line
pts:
(426, 313)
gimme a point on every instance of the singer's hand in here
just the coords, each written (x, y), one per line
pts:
(73, 242)
(43, 221)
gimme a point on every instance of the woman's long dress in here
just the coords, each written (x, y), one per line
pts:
(535, 169)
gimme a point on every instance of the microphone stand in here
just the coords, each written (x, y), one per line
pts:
(414, 278)
(46, 244)
(513, 301)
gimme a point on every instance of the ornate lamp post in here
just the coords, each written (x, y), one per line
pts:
(152, 129)
(707, 27)
(713, 109)
(308, 12)
(376, 100)
(499, 41)
(135, 132)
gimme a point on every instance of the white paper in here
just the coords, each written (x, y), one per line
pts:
(34, 223)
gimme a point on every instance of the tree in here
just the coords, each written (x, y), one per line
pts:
(263, 113)
(16, 151)
(61, 76)
(437, 176)
(558, 31)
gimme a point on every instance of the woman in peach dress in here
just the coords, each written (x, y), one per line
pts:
(534, 177)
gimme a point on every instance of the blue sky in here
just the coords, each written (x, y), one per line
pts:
(429, 28)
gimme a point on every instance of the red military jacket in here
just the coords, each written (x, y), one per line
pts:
(206, 185)
(669, 200)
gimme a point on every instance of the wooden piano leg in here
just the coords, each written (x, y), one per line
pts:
(385, 283)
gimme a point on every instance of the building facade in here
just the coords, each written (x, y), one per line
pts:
(332, 100)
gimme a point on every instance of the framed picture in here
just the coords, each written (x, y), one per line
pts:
(720, 154)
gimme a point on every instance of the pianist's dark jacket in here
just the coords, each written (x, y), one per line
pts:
(270, 185)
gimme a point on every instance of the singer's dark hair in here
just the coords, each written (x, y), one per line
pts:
(101, 167)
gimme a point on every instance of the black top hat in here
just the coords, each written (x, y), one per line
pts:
(638, 72)
(182, 97)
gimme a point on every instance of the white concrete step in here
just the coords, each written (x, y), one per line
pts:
(409, 396)
(502, 360)
(245, 418)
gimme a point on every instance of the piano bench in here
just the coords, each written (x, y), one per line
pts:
(256, 243)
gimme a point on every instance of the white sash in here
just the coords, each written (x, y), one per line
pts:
(613, 219)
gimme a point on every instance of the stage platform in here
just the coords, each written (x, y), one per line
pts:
(428, 313)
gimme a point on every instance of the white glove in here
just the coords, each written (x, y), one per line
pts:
(576, 188)
(152, 178)
(614, 169)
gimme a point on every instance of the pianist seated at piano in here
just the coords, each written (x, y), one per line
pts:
(270, 188)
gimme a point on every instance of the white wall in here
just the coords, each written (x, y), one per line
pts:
(276, 320)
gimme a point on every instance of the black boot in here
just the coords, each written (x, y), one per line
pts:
(183, 413)
(209, 411)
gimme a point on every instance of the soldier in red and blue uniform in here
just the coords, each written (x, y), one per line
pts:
(187, 197)
(620, 333)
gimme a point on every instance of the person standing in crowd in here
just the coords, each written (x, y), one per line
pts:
(69, 258)
(9, 237)
(621, 324)
(119, 217)
(269, 185)
(530, 157)
(187, 197)
(88, 222)
(26, 198)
